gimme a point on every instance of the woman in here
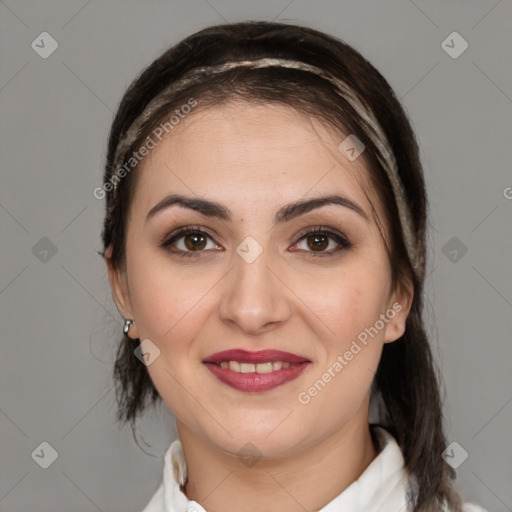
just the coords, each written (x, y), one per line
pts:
(265, 243)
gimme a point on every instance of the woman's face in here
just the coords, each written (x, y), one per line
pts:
(254, 282)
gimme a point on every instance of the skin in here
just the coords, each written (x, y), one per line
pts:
(254, 159)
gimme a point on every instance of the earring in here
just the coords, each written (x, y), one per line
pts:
(127, 324)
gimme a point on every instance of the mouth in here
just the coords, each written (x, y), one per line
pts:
(262, 356)
(267, 367)
(256, 371)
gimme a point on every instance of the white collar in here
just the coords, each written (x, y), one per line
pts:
(382, 487)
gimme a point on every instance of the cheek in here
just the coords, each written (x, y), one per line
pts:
(345, 303)
(349, 305)
(165, 297)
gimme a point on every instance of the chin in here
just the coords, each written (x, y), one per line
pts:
(268, 441)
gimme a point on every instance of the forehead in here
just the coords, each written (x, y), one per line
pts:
(244, 153)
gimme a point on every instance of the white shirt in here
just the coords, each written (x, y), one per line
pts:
(382, 487)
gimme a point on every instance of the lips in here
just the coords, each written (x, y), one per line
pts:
(262, 356)
(249, 380)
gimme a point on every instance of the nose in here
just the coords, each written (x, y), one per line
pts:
(254, 298)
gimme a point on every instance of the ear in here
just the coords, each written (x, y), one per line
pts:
(400, 305)
(120, 291)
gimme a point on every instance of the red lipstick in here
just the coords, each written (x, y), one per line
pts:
(253, 381)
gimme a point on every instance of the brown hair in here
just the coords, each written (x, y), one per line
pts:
(406, 381)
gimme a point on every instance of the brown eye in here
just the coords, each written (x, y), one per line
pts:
(189, 242)
(317, 242)
(195, 241)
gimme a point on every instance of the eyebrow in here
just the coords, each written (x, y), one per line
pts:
(286, 213)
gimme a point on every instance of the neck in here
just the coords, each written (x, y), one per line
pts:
(307, 480)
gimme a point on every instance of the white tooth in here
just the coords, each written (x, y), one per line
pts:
(264, 367)
(234, 366)
(267, 367)
(247, 368)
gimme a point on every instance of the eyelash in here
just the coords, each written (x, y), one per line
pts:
(316, 230)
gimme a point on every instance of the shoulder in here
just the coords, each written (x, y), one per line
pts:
(386, 442)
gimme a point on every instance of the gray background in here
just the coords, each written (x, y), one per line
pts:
(59, 325)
